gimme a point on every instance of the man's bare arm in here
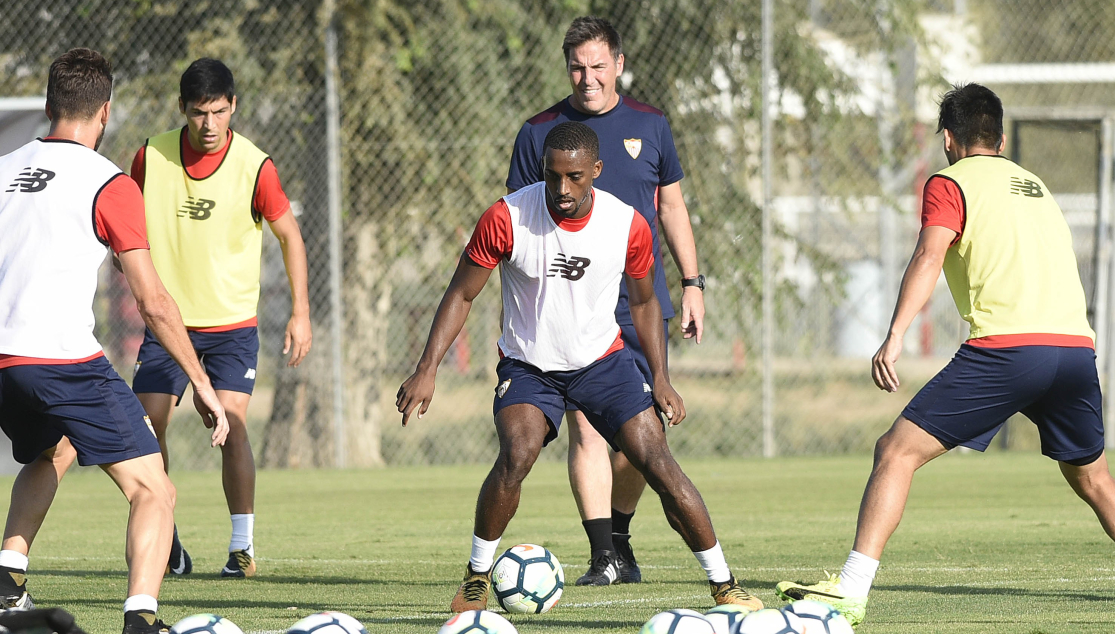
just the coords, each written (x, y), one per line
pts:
(646, 315)
(299, 335)
(677, 231)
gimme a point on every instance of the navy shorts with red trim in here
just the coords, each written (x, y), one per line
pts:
(87, 402)
(1057, 388)
(229, 358)
(609, 391)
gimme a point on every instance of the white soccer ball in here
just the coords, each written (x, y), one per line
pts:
(678, 622)
(477, 622)
(819, 618)
(725, 617)
(770, 621)
(205, 624)
(527, 578)
(328, 623)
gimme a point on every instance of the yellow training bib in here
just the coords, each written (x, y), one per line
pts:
(1013, 271)
(206, 241)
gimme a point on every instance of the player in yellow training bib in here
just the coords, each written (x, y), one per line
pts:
(1006, 252)
(207, 192)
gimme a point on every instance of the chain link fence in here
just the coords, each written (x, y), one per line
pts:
(430, 95)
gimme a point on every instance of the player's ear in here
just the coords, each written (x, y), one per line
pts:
(181, 106)
(1002, 144)
(104, 113)
(49, 114)
(619, 65)
(949, 141)
(232, 106)
(597, 168)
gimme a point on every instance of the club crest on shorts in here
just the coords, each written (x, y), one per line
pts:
(633, 147)
(502, 389)
(135, 370)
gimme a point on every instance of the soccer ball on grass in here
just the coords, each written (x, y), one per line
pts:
(819, 618)
(205, 624)
(678, 622)
(527, 579)
(477, 622)
(770, 621)
(725, 617)
(328, 623)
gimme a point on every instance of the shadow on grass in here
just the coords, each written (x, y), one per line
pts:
(1009, 592)
(255, 581)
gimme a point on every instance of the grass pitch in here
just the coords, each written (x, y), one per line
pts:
(994, 543)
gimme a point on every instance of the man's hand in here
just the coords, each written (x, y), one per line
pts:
(692, 313)
(299, 336)
(882, 364)
(415, 392)
(669, 401)
(212, 413)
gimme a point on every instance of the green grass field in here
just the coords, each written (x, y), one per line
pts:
(994, 543)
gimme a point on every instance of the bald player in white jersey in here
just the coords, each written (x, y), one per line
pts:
(563, 248)
(61, 205)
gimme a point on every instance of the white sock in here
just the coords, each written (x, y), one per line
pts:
(712, 560)
(243, 526)
(483, 554)
(141, 602)
(13, 559)
(858, 574)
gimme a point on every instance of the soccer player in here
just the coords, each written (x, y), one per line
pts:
(208, 191)
(563, 247)
(643, 171)
(58, 393)
(1007, 255)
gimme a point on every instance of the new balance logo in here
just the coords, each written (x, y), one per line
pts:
(250, 374)
(197, 208)
(571, 269)
(30, 180)
(1025, 187)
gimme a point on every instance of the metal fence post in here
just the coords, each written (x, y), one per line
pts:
(333, 130)
(769, 449)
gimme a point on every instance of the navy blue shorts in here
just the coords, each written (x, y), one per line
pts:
(1056, 388)
(631, 342)
(87, 402)
(610, 392)
(229, 358)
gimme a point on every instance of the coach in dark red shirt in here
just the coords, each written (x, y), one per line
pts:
(641, 168)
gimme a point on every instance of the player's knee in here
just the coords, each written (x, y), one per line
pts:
(516, 460)
(658, 468)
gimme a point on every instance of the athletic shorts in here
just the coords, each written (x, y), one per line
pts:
(87, 402)
(229, 358)
(610, 392)
(631, 342)
(1056, 388)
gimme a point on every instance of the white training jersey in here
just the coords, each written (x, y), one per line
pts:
(560, 287)
(49, 248)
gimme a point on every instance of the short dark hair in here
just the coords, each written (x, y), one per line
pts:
(973, 114)
(205, 80)
(590, 28)
(80, 83)
(571, 136)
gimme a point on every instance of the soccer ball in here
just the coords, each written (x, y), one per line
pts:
(477, 622)
(205, 624)
(770, 621)
(527, 578)
(725, 617)
(819, 618)
(678, 622)
(328, 623)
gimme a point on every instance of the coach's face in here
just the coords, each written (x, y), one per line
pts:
(592, 74)
(569, 175)
(207, 123)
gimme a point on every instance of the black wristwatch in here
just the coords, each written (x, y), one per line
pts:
(698, 281)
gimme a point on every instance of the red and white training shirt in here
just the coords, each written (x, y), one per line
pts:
(61, 205)
(561, 277)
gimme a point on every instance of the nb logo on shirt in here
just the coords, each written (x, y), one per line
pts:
(30, 180)
(1025, 187)
(197, 208)
(571, 269)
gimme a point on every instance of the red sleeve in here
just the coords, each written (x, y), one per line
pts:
(270, 200)
(640, 251)
(943, 205)
(119, 217)
(492, 239)
(138, 166)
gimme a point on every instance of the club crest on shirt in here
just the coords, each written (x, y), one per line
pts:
(633, 147)
(502, 389)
